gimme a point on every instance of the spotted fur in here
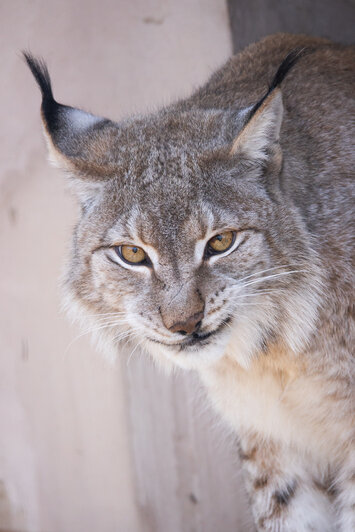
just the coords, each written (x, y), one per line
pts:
(275, 343)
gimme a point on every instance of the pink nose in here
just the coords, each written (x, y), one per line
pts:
(188, 326)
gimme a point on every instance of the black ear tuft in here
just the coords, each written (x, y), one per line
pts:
(40, 72)
(290, 60)
(286, 65)
(51, 110)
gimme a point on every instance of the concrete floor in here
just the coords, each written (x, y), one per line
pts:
(65, 455)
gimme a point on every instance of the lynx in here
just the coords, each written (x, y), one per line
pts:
(217, 235)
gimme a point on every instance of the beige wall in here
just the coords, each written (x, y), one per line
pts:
(66, 456)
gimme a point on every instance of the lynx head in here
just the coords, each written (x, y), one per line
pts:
(186, 244)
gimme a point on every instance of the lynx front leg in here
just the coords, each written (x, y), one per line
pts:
(283, 494)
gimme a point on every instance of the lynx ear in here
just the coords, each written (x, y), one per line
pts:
(261, 133)
(259, 138)
(78, 142)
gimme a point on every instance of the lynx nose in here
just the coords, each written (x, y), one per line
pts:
(188, 326)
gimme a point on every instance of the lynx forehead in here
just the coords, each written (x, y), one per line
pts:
(217, 235)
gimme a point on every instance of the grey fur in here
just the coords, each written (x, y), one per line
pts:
(167, 179)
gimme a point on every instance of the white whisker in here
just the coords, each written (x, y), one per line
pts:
(94, 330)
(135, 349)
(266, 270)
(88, 331)
(268, 277)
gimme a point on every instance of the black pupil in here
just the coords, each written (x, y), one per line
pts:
(219, 237)
(134, 250)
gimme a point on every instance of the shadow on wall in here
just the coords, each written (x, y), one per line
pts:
(253, 19)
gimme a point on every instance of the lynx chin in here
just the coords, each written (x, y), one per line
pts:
(218, 235)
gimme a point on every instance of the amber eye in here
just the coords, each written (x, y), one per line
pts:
(132, 254)
(220, 243)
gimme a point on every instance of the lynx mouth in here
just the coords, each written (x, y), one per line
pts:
(196, 339)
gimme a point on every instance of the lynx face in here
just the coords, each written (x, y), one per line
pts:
(185, 244)
(184, 299)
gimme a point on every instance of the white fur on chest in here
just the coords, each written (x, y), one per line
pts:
(286, 406)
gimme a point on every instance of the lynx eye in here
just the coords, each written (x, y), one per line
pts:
(220, 243)
(131, 254)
